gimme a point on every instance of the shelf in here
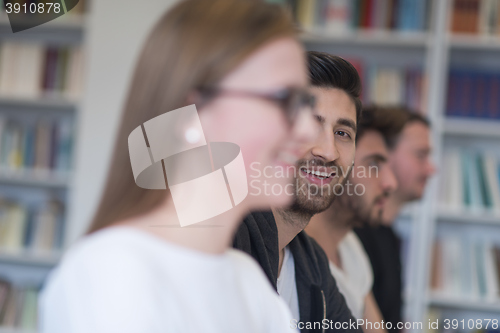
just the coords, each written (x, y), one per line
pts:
(46, 102)
(14, 330)
(468, 217)
(370, 37)
(26, 258)
(479, 42)
(463, 304)
(64, 30)
(34, 179)
(68, 21)
(472, 127)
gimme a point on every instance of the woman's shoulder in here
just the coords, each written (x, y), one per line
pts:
(243, 261)
(249, 270)
(109, 243)
(111, 252)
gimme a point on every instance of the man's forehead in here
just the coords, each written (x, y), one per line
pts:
(335, 114)
(372, 143)
(415, 131)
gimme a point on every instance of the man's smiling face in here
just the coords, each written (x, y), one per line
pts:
(328, 160)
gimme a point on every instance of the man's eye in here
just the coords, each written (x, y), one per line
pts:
(343, 134)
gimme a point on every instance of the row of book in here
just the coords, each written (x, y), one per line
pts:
(42, 146)
(476, 17)
(32, 70)
(340, 16)
(470, 180)
(393, 85)
(35, 230)
(18, 307)
(466, 269)
(473, 93)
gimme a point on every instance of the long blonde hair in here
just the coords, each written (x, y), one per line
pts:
(196, 43)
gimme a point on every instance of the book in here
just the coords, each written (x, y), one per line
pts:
(4, 297)
(15, 224)
(466, 268)
(46, 220)
(390, 86)
(471, 181)
(465, 16)
(28, 320)
(31, 70)
(339, 16)
(9, 55)
(21, 307)
(491, 276)
(42, 147)
(75, 73)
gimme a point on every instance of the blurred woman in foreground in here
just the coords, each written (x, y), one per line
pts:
(137, 269)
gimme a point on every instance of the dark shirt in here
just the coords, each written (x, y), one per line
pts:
(318, 295)
(383, 248)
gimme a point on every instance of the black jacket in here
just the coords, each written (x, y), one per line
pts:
(319, 297)
(383, 248)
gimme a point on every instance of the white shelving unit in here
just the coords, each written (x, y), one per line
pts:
(47, 260)
(468, 217)
(69, 21)
(33, 179)
(463, 304)
(472, 127)
(436, 51)
(14, 330)
(369, 37)
(27, 267)
(57, 103)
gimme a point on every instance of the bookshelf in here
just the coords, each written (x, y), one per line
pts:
(466, 217)
(39, 113)
(32, 259)
(437, 44)
(45, 102)
(457, 303)
(367, 37)
(471, 128)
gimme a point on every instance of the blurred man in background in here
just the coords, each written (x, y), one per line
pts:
(361, 201)
(410, 147)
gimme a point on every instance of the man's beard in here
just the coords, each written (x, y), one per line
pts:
(310, 199)
(360, 214)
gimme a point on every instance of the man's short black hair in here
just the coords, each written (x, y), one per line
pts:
(330, 71)
(390, 121)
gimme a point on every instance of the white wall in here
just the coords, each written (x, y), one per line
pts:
(114, 35)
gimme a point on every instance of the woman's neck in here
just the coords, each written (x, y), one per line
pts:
(214, 235)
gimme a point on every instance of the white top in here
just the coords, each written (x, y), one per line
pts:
(287, 287)
(355, 279)
(125, 280)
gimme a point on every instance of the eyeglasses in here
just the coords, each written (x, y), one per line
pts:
(291, 100)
